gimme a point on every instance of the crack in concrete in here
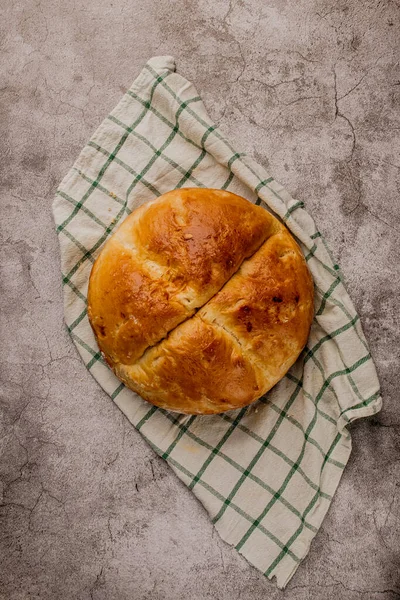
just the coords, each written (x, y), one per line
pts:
(242, 58)
(272, 86)
(338, 113)
(380, 219)
(31, 510)
(152, 470)
(18, 418)
(109, 463)
(228, 12)
(304, 57)
(379, 529)
(347, 588)
(301, 99)
(222, 559)
(33, 282)
(109, 529)
(389, 512)
(98, 583)
(360, 80)
(21, 468)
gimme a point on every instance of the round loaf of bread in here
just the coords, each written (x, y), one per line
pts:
(200, 301)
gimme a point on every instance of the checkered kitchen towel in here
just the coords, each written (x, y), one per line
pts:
(266, 474)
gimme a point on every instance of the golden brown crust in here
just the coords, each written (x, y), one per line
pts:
(198, 369)
(268, 306)
(167, 259)
(128, 309)
(195, 248)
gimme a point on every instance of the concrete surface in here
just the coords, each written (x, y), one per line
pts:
(311, 89)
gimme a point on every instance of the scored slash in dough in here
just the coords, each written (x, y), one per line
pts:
(201, 301)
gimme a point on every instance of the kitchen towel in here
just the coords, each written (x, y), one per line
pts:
(266, 474)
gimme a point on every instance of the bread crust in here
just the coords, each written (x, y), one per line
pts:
(200, 301)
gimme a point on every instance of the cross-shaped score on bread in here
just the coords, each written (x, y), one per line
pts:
(201, 301)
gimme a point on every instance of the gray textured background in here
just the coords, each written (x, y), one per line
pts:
(311, 90)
